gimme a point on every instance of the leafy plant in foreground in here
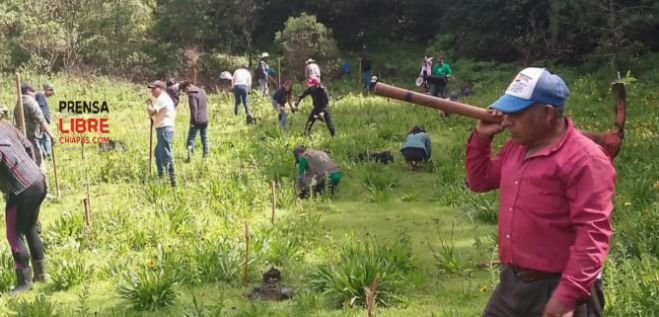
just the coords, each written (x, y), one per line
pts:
(148, 289)
(360, 264)
(69, 271)
(6, 270)
(41, 306)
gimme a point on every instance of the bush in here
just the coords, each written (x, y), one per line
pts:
(304, 37)
(360, 264)
(148, 289)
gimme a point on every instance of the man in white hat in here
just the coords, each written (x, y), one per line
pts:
(312, 69)
(263, 74)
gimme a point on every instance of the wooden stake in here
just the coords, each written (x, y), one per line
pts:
(371, 298)
(150, 146)
(88, 220)
(246, 272)
(274, 202)
(82, 149)
(21, 114)
(89, 199)
(52, 149)
(279, 71)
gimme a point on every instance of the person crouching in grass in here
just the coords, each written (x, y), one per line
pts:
(417, 148)
(315, 168)
(282, 96)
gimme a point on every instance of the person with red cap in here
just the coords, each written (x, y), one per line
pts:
(321, 101)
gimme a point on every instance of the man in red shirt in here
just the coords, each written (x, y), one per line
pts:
(556, 202)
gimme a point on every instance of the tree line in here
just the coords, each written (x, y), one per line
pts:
(151, 37)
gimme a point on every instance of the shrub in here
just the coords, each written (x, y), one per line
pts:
(68, 271)
(148, 289)
(41, 306)
(304, 37)
(361, 263)
(7, 275)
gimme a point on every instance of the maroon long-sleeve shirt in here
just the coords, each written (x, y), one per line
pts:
(555, 207)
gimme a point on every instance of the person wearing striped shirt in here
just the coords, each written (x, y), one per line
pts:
(24, 187)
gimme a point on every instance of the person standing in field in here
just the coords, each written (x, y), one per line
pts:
(263, 75)
(367, 71)
(241, 84)
(174, 91)
(315, 169)
(198, 102)
(441, 73)
(46, 142)
(282, 96)
(417, 148)
(320, 110)
(312, 69)
(426, 71)
(36, 125)
(556, 189)
(163, 113)
(24, 187)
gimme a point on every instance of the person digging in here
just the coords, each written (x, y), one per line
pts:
(23, 184)
(315, 167)
(320, 110)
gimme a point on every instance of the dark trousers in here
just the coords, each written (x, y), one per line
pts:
(414, 155)
(315, 115)
(439, 90)
(192, 137)
(22, 222)
(516, 298)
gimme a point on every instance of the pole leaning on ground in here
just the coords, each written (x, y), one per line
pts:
(150, 145)
(610, 141)
(21, 114)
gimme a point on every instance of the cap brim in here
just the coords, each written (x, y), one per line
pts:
(511, 104)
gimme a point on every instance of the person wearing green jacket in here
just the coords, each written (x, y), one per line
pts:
(417, 148)
(315, 168)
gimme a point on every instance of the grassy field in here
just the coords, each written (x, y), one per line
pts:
(423, 233)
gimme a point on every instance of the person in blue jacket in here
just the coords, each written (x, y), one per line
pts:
(417, 148)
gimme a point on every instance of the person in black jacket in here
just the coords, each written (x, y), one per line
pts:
(198, 101)
(320, 110)
(173, 90)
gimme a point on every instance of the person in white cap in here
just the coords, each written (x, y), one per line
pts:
(163, 113)
(263, 74)
(556, 189)
(312, 69)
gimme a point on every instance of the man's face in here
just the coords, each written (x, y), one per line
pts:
(49, 93)
(529, 126)
(155, 91)
(440, 61)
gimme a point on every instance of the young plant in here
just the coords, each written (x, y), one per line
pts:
(361, 264)
(446, 258)
(7, 275)
(69, 271)
(148, 290)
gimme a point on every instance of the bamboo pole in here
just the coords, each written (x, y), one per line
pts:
(21, 111)
(279, 71)
(246, 265)
(85, 204)
(274, 202)
(52, 149)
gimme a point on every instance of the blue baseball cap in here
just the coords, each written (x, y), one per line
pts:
(533, 85)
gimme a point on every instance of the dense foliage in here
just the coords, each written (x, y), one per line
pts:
(140, 38)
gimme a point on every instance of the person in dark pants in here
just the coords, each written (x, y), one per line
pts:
(174, 90)
(320, 110)
(241, 84)
(24, 186)
(556, 190)
(367, 71)
(315, 169)
(417, 148)
(46, 142)
(198, 101)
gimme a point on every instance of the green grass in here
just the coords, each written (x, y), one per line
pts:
(141, 226)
